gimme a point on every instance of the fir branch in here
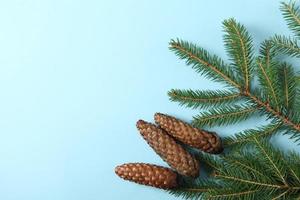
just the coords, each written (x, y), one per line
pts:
(246, 181)
(203, 99)
(277, 115)
(294, 113)
(274, 160)
(238, 44)
(258, 171)
(288, 86)
(267, 53)
(237, 162)
(269, 78)
(267, 57)
(211, 66)
(281, 195)
(212, 161)
(201, 61)
(223, 116)
(195, 189)
(292, 133)
(248, 135)
(231, 194)
(291, 14)
(294, 166)
(215, 68)
(286, 45)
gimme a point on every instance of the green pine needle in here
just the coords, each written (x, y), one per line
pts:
(258, 171)
(253, 168)
(238, 44)
(204, 63)
(288, 86)
(203, 99)
(286, 45)
(246, 136)
(291, 14)
(269, 79)
(224, 116)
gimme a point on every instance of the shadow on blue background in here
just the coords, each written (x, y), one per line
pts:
(75, 76)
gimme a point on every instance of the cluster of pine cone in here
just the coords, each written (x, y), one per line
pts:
(162, 139)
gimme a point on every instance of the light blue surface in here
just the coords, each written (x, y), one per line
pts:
(75, 76)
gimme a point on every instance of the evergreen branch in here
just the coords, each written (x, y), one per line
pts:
(199, 59)
(272, 162)
(211, 161)
(236, 162)
(293, 134)
(288, 86)
(286, 45)
(233, 194)
(211, 66)
(285, 88)
(266, 53)
(294, 166)
(248, 135)
(238, 44)
(294, 113)
(281, 195)
(291, 14)
(202, 99)
(195, 189)
(295, 175)
(268, 80)
(273, 112)
(233, 178)
(258, 168)
(223, 116)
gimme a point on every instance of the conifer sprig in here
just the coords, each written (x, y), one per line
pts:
(247, 135)
(278, 88)
(203, 99)
(257, 171)
(204, 63)
(291, 14)
(288, 86)
(289, 45)
(286, 45)
(253, 168)
(238, 44)
(269, 79)
(223, 116)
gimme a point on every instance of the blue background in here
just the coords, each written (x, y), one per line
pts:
(75, 76)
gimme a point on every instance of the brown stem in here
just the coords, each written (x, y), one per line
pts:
(267, 106)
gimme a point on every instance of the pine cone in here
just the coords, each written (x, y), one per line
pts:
(148, 174)
(206, 141)
(166, 147)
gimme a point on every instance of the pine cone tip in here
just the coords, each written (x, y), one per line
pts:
(140, 123)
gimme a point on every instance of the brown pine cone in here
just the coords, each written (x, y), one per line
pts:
(166, 147)
(148, 174)
(206, 141)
